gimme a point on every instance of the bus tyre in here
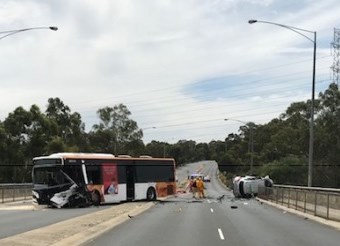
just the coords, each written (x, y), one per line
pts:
(151, 194)
(95, 198)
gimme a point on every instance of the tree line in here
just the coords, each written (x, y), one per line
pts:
(281, 147)
(278, 148)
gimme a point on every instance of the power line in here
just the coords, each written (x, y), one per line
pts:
(211, 96)
(145, 102)
(211, 120)
(199, 108)
(175, 87)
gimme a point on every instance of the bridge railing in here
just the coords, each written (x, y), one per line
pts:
(15, 192)
(320, 202)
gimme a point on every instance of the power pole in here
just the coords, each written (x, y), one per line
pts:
(251, 150)
(335, 45)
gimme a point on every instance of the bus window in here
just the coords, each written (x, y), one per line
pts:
(49, 176)
(122, 174)
(93, 174)
(151, 171)
(75, 173)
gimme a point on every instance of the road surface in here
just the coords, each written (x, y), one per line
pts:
(14, 221)
(212, 221)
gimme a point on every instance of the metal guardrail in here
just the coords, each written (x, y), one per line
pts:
(15, 192)
(321, 202)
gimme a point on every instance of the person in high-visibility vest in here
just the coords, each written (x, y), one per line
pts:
(194, 187)
(200, 187)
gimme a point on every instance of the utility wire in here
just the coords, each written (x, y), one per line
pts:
(153, 112)
(128, 95)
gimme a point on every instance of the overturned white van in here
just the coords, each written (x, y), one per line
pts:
(250, 186)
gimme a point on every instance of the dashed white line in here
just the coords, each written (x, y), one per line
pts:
(212, 210)
(220, 233)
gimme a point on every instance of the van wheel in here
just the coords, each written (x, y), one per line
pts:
(95, 198)
(151, 194)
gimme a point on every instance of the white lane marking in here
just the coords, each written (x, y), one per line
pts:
(221, 233)
(212, 210)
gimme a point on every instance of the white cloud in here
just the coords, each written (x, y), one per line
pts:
(144, 53)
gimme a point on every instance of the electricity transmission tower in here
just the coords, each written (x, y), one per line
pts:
(335, 45)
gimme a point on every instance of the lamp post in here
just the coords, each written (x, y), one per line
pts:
(12, 32)
(4, 34)
(251, 141)
(311, 127)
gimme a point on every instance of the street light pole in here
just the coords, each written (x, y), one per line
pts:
(251, 142)
(311, 127)
(12, 32)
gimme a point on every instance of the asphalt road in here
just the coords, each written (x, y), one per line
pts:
(23, 218)
(16, 221)
(187, 221)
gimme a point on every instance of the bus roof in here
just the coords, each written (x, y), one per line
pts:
(70, 155)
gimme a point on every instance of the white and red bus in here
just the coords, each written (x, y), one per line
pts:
(74, 179)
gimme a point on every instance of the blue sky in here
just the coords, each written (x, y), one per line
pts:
(181, 66)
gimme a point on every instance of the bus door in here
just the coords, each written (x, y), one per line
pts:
(130, 182)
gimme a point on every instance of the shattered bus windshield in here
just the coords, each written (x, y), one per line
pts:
(50, 176)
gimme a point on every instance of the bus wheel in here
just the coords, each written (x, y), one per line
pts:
(151, 194)
(95, 198)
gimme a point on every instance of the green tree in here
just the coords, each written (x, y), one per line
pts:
(16, 127)
(157, 149)
(5, 170)
(116, 131)
(187, 151)
(70, 127)
(55, 145)
(40, 132)
(289, 170)
(327, 139)
(202, 151)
